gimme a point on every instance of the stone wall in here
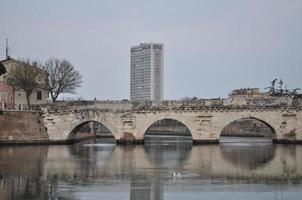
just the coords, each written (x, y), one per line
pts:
(21, 126)
(205, 124)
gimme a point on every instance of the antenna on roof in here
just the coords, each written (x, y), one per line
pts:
(7, 50)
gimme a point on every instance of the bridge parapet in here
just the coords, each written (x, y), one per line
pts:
(120, 107)
(216, 103)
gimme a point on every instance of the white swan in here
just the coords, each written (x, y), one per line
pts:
(176, 175)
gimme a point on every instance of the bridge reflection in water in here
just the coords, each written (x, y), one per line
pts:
(150, 171)
(248, 156)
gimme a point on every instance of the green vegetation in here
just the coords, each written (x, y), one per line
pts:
(281, 89)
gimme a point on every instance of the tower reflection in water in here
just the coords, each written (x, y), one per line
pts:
(167, 154)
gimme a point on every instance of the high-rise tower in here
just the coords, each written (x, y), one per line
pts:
(147, 68)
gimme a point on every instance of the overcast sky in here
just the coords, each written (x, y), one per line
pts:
(211, 46)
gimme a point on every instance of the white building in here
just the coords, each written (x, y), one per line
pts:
(147, 70)
(14, 98)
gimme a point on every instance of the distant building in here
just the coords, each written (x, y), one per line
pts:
(147, 68)
(12, 98)
(254, 96)
(251, 92)
(244, 96)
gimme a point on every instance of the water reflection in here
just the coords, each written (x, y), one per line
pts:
(147, 188)
(23, 188)
(167, 152)
(145, 171)
(22, 160)
(248, 157)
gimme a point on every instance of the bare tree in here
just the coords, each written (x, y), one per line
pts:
(2, 69)
(62, 77)
(25, 75)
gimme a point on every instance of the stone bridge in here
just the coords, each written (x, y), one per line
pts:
(128, 122)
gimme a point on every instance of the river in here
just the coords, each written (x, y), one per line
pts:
(164, 168)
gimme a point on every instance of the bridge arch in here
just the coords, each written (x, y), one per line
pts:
(270, 127)
(72, 131)
(173, 120)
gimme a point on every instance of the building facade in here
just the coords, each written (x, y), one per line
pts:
(13, 98)
(146, 72)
